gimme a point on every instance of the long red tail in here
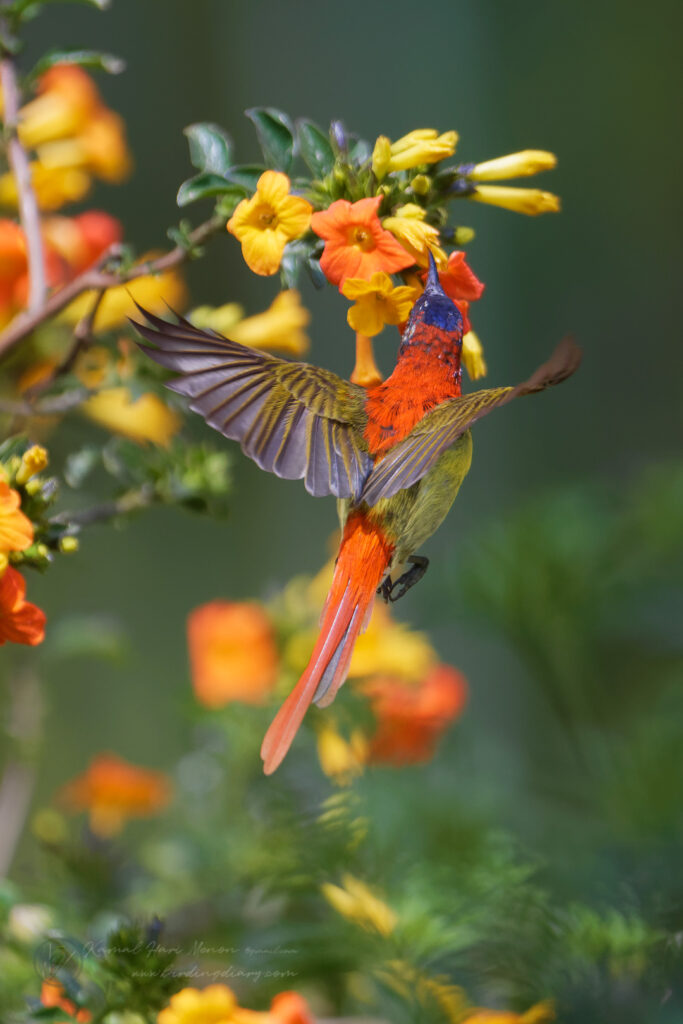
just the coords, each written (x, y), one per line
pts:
(364, 556)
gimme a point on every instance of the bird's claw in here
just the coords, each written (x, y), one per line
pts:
(403, 584)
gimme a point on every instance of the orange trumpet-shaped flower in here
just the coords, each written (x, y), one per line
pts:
(20, 621)
(356, 244)
(16, 529)
(52, 994)
(411, 717)
(459, 281)
(112, 790)
(233, 655)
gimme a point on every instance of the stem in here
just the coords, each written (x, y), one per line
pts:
(365, 372)
(29, 214)
(96, 278)
(128, 502)
(18, 779)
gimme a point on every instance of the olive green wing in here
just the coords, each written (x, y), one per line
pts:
(293, 419)
(409, 460)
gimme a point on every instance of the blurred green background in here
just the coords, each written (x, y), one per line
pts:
(598, 84)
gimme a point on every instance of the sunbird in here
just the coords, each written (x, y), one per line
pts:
(394, 456)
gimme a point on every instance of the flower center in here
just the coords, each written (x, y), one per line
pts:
(362, 238)
(267, 217)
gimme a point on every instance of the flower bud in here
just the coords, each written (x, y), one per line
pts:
(67, 545)
(531, 201)
(33, 461)
(514, 165)
(463, 235)
(421, 184)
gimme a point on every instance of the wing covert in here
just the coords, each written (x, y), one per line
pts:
(409, 460)
(293, 419)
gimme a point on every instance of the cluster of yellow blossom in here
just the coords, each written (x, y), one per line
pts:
(217, 1004)
(361, 249)
(75, 136)
(20, 621)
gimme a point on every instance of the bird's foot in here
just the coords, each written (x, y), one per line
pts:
(400, 587)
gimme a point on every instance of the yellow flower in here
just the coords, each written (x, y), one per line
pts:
(217, 318)
(341, 760)
(146, 418)
(418, 238)
(100, 149)
(33, 461)
(67, 98)
(514, 165)
(423, 146)
(153, 291)
(16, 530)
(537, 1014)
(266, 222)
(53, 186)
(473, 356)
(531, 201)
(377, 302)
(355, 901)
(215, 1004)
(391, 648)
(280, 328)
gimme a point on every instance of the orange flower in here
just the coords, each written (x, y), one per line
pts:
(233, 655)
(16, 529)
(20, 621)
(14, 269)
(411, 717)
(81, 240)
(112, 790)
(459, 281)
(290, 1008)
(540, 1013)
(356, 244)
(52, 994)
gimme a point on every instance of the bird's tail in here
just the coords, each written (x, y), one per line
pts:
(364, 557)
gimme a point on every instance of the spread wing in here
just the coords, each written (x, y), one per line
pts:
(409, 460)
(292, 419)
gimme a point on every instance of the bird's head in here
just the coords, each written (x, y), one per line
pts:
(434, 315)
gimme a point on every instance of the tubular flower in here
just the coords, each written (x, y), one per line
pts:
(142, 419)
(81, 240)
(100, 149)
(153, 291)
(34, 460)
(53, 186)
(356, 244)
(20, 621)
(14, 269)
(52, 994)
(266, 222)
(233, 654)
(290, 1008)
(112, 790)
(412, 717)
(16, 530)
(538, 1014)
(67, 98)
(408, 226)
(341, 760)
(459, 281)
(531, 201)
(391, 648)
(377, 302)
(217, 1004)
(355, 901)
(422, 146)
(514, 165)
(279, 329)
(473, 356)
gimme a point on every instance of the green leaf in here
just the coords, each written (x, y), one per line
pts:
(210, 147)
(84, 58)
(202, 186)
(245, 175)
(276, 136)
(315, 148)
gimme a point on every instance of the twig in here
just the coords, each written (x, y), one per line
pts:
(18, 778)
(128, 502)
(82, 338)
(96, 278)
(28, 206)
(54, 405)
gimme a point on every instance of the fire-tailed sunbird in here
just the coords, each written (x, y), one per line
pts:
(394, 455)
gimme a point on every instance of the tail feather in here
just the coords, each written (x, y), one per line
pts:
(364, 556)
